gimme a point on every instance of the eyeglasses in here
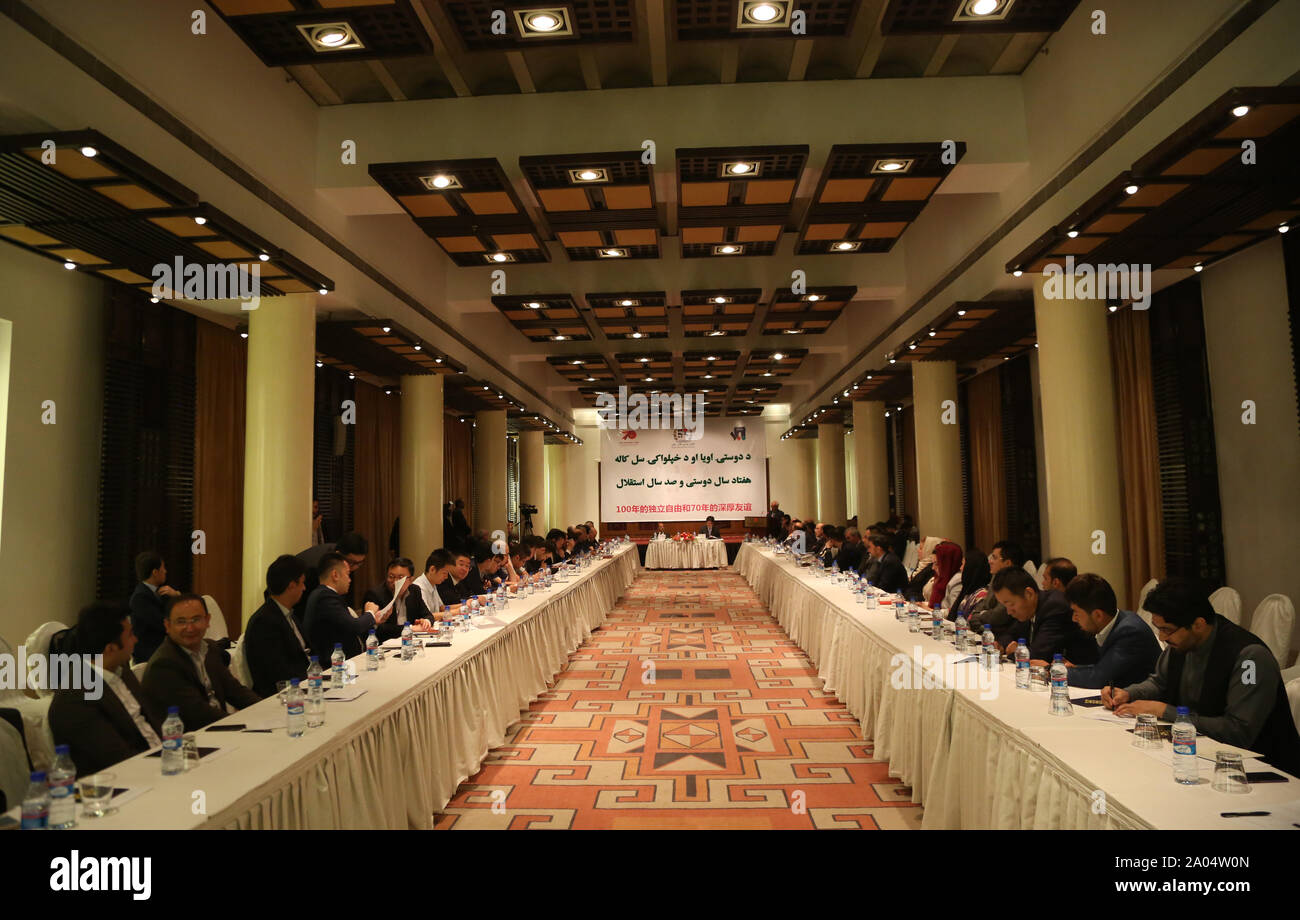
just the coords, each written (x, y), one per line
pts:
(1168, 631)
(192, 621)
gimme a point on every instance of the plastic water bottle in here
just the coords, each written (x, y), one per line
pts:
(173, 758)
(899, 611)
(1060, 676)
(1186, 770)
(407, 651)
(1022, 665)
(294, 710)
(36, 804)
(963, 630)
(936, 624)
(338, 667)
(372, 652)
(62, 780)
(315, 703)
(503, 597)
(913, 619)
(990, 648)
(871, 596)
(835, 570)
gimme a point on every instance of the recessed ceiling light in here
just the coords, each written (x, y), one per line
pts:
(932, 333)
(911, 346)
(69, 265)
(728, 249)
(777, 356)
(577, 362)
(813, 298)
(499, 257)
(440, 182)
(588, 175)
(1240, 110)
(984, 7)
(324, 290)
(708, 376)
(982, 10)
(613, 253)
(643, 360)
(559, 338)
(763, 14)
(437, 360)
(845, 246)
(1017, 273)
(1197, 267)
(717, 332)
(591, 379)
(636, 335)
(793, 331)
(533, 305)
(263, 257)
(89, 151)
(961, 312)
(719, 300)
(1283, 228)
(417, 346)
(711, 358)
(892, 359)
(744, 169)
(767, 373)
(891, 165)
(628, 303)
(200, 221)
(388, 329)
(1072, 233)
(1113, 308)
(546, 22)
(320, 364)
(352, 376)
(1130, 189)
(331, 36)
(649, 380)
(868, 376)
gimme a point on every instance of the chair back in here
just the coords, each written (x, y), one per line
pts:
(10, 697)
(239, 663)
(14, 774)
(1272, 622)
(911, 556)
(1033, 571)
(1042, 572)
(216, 620)
(1142, 595)
(1146, 618)
(1293, 697)
(38, 643)
(1227, 603)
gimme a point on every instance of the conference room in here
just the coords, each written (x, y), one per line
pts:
(627, 415)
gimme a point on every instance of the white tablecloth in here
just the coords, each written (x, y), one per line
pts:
(694, 554)
(990, 756)
(394, 756)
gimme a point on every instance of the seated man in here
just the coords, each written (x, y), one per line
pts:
(1041, 619)
(1005, 554)
(274, 646)
(437, 570)
(409, 604)
(709, 528)
(1128, 646)
(1059, 573)
(124, 720)
(831, 541)
(188, 671)
(482, 578)
(147, 602)
(661, 532)
(352, 546)
(1223, 673)
(536, 546)
(890, 577)
(851, 550)
(329, 620)
(449, 588)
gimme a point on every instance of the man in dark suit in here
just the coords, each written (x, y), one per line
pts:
(851, 550)
(147, 604)
(352, 546)
(1128, 646)
(408, 606)
(274, 646)
(449, 589)
(459, 525)
(187, 671)
(775, 520)
(123, 720)
(329, 621)
(832, 540)
(1042, 619)
(482, 576)
(709, 528)
(890, 576)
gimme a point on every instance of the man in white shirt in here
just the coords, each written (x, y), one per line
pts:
(121, 720)
(437, 569)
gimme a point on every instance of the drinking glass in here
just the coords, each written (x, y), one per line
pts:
(1229, 774)
(282, 690)
(1146, 734)
(1038, 678)
(96, 791)
(190, 751)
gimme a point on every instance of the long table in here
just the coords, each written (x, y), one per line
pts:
(686, 554)
(394, 756)
(982, 756)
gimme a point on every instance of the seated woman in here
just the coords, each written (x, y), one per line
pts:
(974, 584)
(947, 563)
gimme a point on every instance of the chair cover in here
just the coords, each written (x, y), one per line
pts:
(1227, 603)
(1272, 622)
(217, 622)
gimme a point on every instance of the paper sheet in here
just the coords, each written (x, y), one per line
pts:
(397, 589)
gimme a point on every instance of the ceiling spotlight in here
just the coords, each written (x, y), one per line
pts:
(352, 376)
(437, 360)
(200, 221)
(891, 166)
(892, 359)
(717, 332)
(1283, 228)
(1198, 267)
(1130, 189)
(1017, 273)
(886, 413)
(719, 300)
(813, 298)
(153, 299)
(324, 290)
(1240, 110)
(777, 356)
(533, 305)
(417, 346)
(69, 265)
(855, 386)
(868, 377)
(636, 335)
(727, 249)
(89, 151)
(613, 253)
(911, 346)
(649, 379)
(932, 333)
(627, 303)
(243, 335)
(588, 175)
(708, 376)
(643, 360)
(559, 338)
(1035, 344)
(591, 379)
(387, 329)
(263, 257)
(984, 7)
(845, 246)
(1113, 308)
(543, 23)
(320, 364)
(331, 36)
(793, 331)
(982, 10)
(579, 361)
(961, 312)
(767, 373)
(711, 358)
(1072, 233)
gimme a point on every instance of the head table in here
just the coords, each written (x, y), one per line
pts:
(393, 756)
(977, 752)
(700, 553)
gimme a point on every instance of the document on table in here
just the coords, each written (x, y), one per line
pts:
(485, 622)
(1102, 714)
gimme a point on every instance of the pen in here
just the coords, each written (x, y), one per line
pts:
(1244, 814)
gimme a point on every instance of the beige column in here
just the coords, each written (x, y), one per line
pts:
(871, 462)
(1079, 444)
(938, 451)
(420, 491)
(490, 470)
(532, 477)
(830, 473)
(557, 459)
(280, 390)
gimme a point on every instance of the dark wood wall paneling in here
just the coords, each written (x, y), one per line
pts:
(1291, 262)
(1189, 470)
(332, 453)
(146, 494)
(1020, 457)
(967, 505)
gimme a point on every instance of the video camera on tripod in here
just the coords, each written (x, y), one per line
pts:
(527, 511)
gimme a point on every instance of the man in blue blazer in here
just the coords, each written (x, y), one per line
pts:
(1128, 646)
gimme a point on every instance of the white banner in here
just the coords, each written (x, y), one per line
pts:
(664, 474)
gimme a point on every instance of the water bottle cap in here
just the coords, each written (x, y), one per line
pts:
(315, 659)
(338, 645)
(293, 681)
(1183, 711)
(38, 776)
(173, 710)
(61, 750)
(1058, 657)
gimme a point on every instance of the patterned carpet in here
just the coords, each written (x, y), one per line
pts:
(689, 708)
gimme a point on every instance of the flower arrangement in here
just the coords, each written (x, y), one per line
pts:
(683, 537)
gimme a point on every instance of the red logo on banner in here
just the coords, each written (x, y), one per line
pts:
(629, 435)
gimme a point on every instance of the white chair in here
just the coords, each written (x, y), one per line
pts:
(1227, 603)
(139, 668)
(239, 664)
(1033, 571)
(38, 643)
(1272, 622)
(1291, 673)
(11, 697)
(911, 556)
(1146, 614)
(1042, 571)
(217, 621)
(1142, 596)
(1293, 696)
